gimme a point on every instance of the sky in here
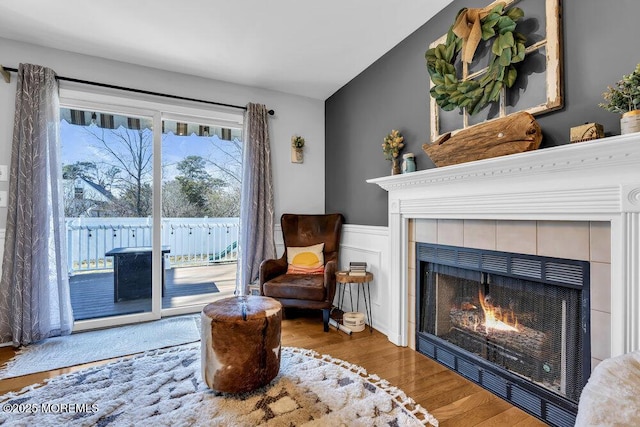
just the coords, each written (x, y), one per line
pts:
(79, 144)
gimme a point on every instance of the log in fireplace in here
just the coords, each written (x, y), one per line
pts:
(516, 324)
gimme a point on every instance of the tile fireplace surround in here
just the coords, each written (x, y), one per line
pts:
(593, 186)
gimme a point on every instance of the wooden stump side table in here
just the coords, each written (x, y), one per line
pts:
(240, 343)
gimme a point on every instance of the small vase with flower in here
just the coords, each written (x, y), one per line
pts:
(391, 147)
(297, 146)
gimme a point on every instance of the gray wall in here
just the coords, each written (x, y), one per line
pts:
(599, 46)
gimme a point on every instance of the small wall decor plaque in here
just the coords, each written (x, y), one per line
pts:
(297, 147)
(587, 132)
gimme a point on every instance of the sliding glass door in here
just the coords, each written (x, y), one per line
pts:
(152, 199)
(107, 181)
(201, 172)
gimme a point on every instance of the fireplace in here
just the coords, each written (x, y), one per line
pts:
(516, 324)
(593, 182)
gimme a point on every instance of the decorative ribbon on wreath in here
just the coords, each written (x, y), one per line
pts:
(469, 28)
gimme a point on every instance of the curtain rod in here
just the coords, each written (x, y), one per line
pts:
(4, 70)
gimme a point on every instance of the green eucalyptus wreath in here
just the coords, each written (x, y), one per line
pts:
(508, 48)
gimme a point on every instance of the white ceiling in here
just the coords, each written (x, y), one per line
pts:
(308, 48)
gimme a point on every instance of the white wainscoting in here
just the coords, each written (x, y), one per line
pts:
(369, 244)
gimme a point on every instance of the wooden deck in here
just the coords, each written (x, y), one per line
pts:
(92, 293)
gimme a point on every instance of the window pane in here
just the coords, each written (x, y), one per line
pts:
(201, 175)
(531, 74)
(107, 184)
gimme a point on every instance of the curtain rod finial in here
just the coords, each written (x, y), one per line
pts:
(271, 112)
(5, 74)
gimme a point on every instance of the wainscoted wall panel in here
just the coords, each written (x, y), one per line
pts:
(369, 244)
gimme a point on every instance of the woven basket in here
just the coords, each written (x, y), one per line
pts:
(353, 320)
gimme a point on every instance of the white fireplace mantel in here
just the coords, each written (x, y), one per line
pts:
(589, 181)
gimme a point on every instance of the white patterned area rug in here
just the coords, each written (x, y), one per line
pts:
(164, 388)
(86, 347)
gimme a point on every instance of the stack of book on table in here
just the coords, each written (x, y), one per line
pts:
(357, 268)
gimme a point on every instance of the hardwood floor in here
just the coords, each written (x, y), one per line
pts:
(453, 400)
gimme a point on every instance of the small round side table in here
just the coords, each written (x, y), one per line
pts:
(343, 278)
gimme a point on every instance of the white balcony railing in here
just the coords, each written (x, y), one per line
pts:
(192, 241)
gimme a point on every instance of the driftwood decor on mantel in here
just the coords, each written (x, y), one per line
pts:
(515, 133)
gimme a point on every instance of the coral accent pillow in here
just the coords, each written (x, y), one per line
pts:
(305, 260)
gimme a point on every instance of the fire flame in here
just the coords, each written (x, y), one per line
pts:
(494, 318)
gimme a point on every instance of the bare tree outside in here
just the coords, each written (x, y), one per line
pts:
(231, 167)
(130, 151)
(117, 175)
(104, 175)
(227, 200)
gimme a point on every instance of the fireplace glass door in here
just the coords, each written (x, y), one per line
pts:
(519, 314)
(525, 327)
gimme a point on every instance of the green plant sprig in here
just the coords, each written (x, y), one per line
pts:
(508, 48)
(297, 141)
(625, 96)
(392, 144)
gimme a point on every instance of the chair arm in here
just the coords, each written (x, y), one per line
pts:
(270, 268)
(330, 269)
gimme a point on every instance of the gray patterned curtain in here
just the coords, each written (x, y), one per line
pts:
(34, 288)
(256, 202)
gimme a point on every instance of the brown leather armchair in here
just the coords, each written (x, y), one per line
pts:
(313, 291)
